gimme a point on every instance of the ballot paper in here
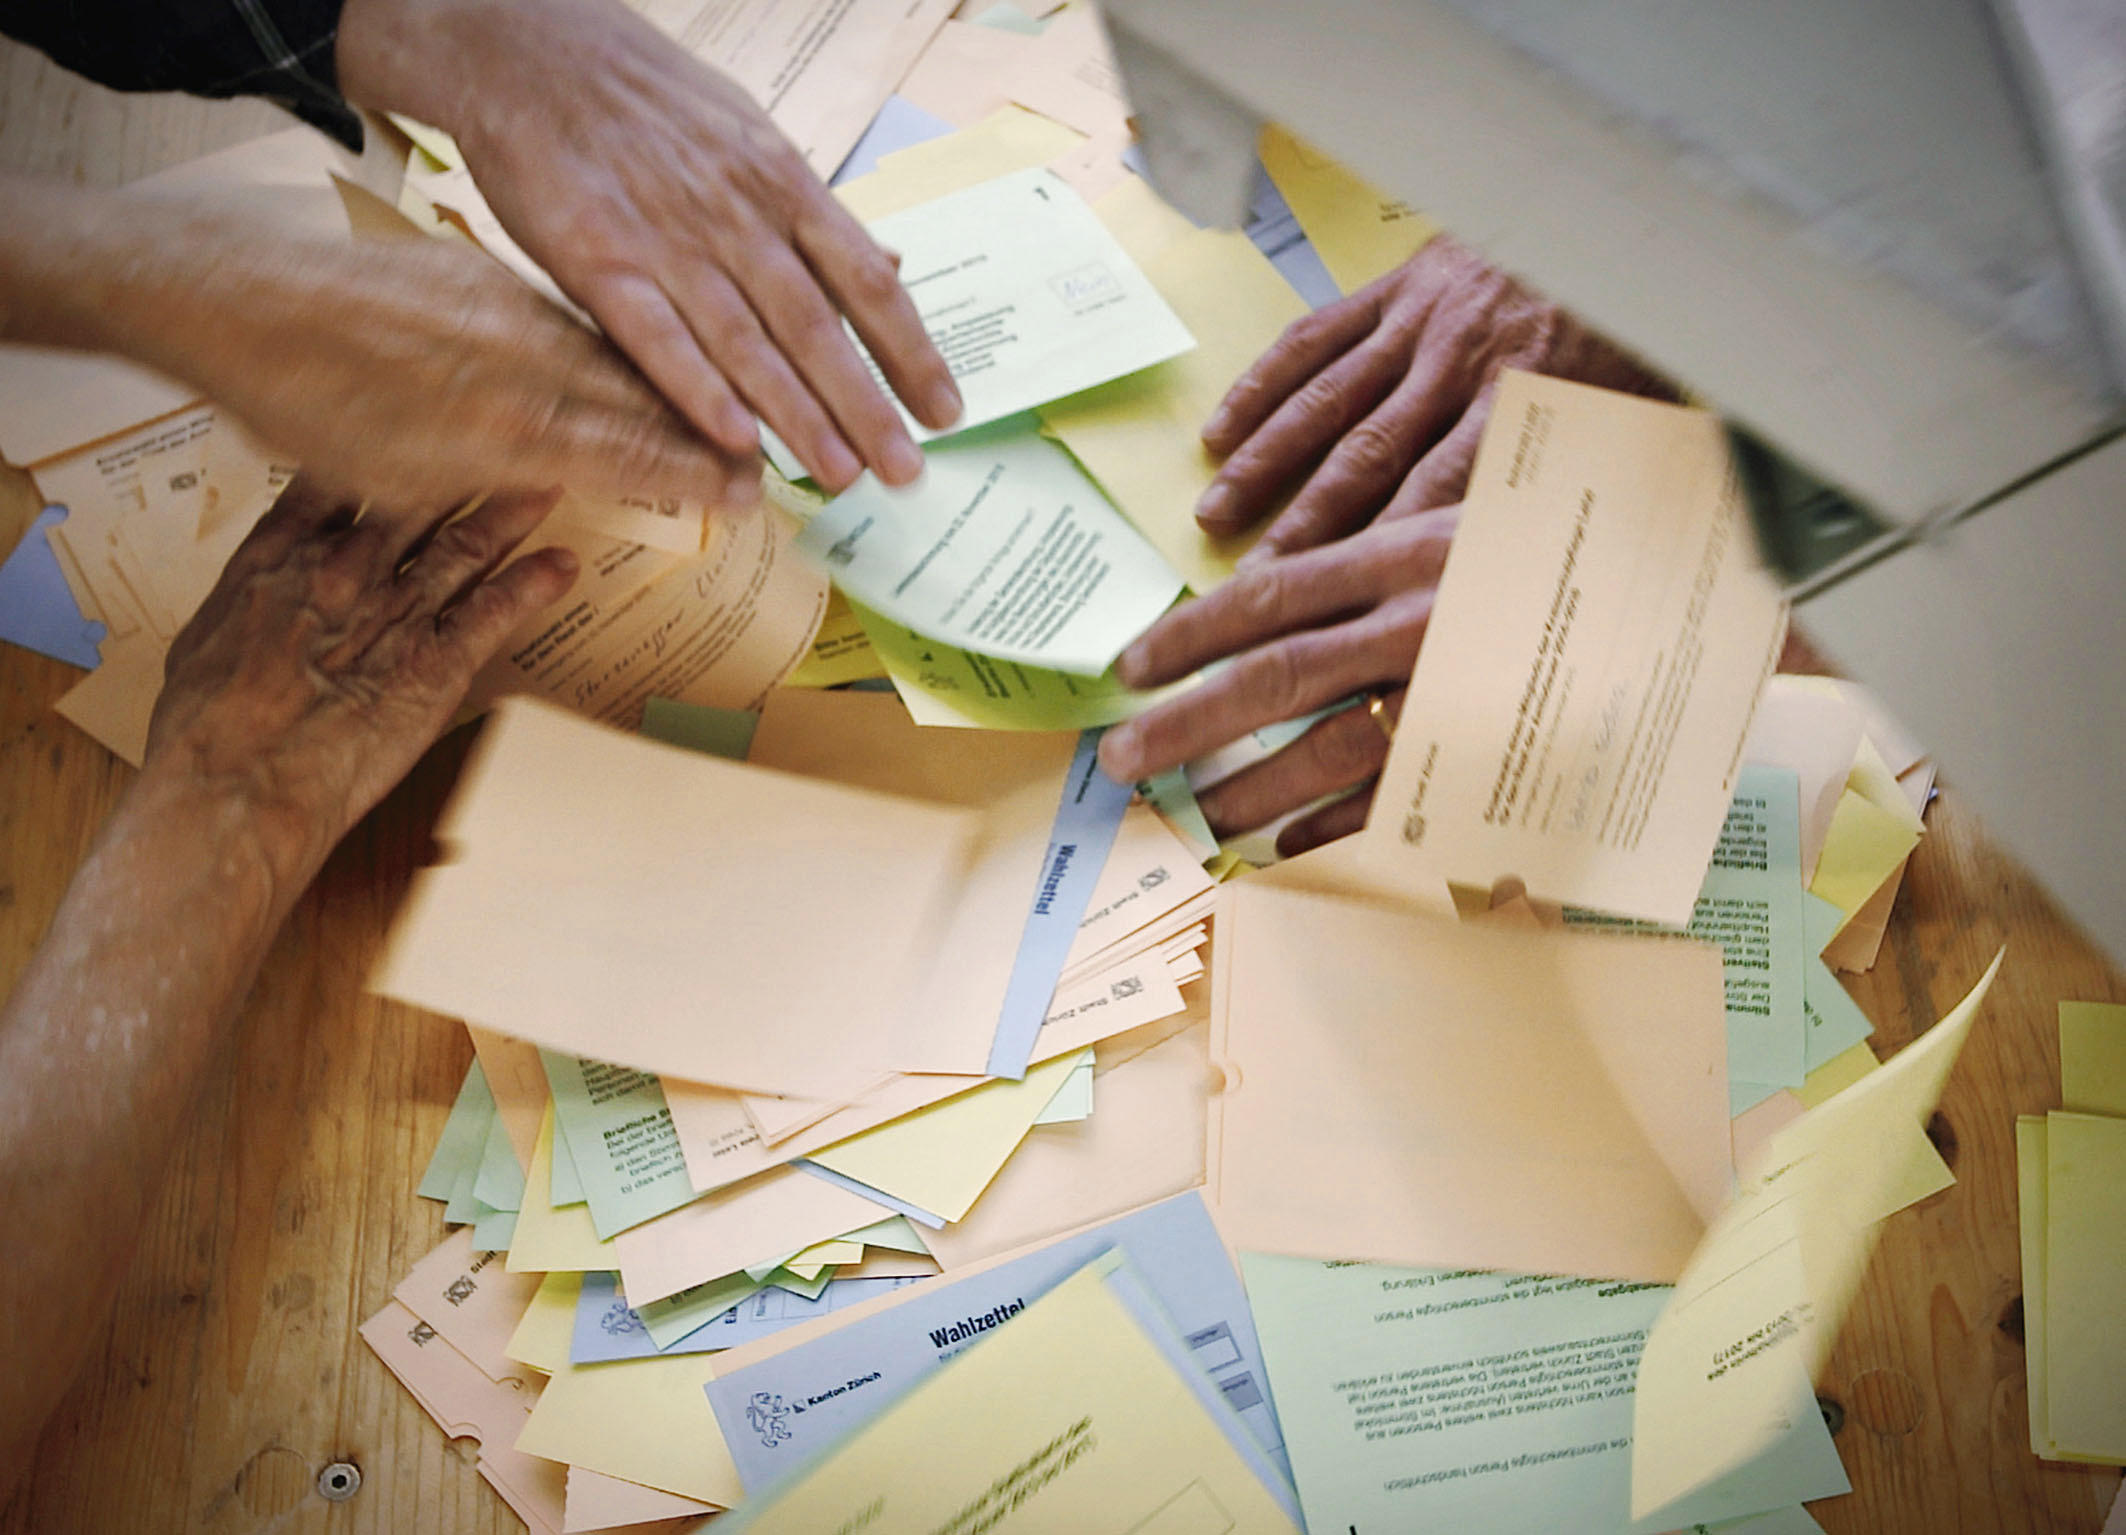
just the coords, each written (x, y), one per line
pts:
(1439, 1399)
(758, 1224)
(607, 1328)
(1727, 1368)
(1360, 232)
(1026, 295)
(594, 1501)
(472, 1300)
(821, 71)
(2085, 1227)
(945, 685)
(642, 1420)
(877, 1356)
(718, 628)
(598, 876)
(1602, 630)
(1123, 1434)
(1004, 547)
(620, 1138)
(1140, 437)
(1401, 1089)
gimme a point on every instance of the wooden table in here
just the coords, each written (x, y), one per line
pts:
(231, 1374)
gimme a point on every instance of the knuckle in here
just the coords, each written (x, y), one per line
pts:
(1324, 394)
(1276, 681)
(1371, 451)
(466, 542)
(873, 279)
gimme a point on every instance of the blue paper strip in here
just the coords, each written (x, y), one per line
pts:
(892, 1202)
(37, 609)
(1085, 828)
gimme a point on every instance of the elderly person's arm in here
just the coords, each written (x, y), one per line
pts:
(323, 665)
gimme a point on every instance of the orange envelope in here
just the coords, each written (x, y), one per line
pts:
(1404, 1090)
(1013, 778)
(613, 897)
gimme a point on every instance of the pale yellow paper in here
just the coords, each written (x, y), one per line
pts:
(779, 1212)
(1837, 1074)
(549, 1239)
(1815, 733)
(1359, 231)
(1140, 436)
(2093, 1057)
(1762, 1297)
(1864, 846)
(941, 1158)
(1601, 633)
(542, 1338)
(642, 1420)
(1405, 1090)
(821, 1254)
(596, 1501)
(2085, 1259)
(1107, 1438)
(604, 879)
(841, 652)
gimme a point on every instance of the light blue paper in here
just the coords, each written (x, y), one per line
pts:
(900, 124)
(784, 1411)
(891, 1202)
(1084, 832)
(37, 608)
(1275, 231)
(1835, 1022)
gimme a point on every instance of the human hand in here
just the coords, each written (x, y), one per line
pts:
(1301, 632)
(662, 199)
(1373, 406)
(333, 651)
(415, 372)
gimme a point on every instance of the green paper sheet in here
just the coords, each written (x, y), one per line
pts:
(464, 1137)
(620, 1134)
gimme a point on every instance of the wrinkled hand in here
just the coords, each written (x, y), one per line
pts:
(1372, 406)
(662, 200)
(1301, 632)
(417, 372)
(332, 653)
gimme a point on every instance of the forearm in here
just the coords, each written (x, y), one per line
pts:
(102, 1048)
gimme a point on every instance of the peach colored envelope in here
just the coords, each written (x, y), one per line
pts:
(1404, 1090)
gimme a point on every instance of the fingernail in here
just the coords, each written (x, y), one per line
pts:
(945, 405)
(565, 561)
(902, 462)
(838, 467)
(1214, 430)
(1215, 506)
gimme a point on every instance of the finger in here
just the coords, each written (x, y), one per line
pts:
(1335, 754)
(1279, 681)
(810, 332)
(1273, 599)
(303, 508)
(643, 322)
(1340, 819)
(1320, 414)
(596, 449)
(1307, 346)
(864, 280)
(463, 551)
(1441, 477)
(727, 325)
(474, 630)
(1368, 464)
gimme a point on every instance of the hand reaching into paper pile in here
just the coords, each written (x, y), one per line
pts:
(330, 655)
(335, 649)
(1373, 405)
(663, 200)
(1300, 633)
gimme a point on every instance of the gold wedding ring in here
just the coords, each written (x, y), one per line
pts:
(1377, 706)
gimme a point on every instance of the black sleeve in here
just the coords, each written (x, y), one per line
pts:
(279, 49)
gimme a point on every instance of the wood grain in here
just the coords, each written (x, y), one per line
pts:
(231, 1374)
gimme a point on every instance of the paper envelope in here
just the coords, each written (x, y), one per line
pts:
(632, 902)
(1403, 1090)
